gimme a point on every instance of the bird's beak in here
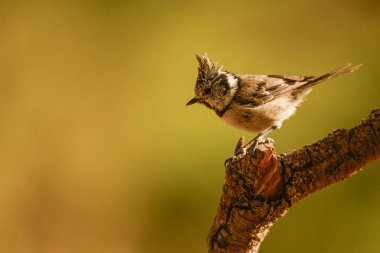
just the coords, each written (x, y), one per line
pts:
(193, 101)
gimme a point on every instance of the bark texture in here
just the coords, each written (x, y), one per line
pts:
(260, 188)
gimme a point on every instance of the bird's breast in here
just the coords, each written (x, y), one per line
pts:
(259, 118)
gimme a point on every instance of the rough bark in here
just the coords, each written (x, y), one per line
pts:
(260, 188)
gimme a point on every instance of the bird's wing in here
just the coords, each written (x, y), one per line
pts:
(255, 90)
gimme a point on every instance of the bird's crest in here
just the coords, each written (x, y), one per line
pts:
(206, 69)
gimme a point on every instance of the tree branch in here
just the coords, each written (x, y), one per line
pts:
(260, 188)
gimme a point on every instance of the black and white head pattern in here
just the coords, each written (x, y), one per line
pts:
(215, 88)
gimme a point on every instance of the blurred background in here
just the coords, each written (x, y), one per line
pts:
(98, 152)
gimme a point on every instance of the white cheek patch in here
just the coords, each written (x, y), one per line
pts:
(232, 81)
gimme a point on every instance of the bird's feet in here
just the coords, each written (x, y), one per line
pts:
(239, 151)
(239, 154)
(242, 150)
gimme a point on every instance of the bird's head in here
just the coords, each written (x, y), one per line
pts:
(214, 88)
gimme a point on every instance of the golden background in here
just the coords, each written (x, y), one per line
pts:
(98, 152)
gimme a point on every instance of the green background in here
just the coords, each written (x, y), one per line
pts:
(98, 152)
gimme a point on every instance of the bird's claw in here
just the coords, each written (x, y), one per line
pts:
(242, 151)
(269, 140)
(238, 154)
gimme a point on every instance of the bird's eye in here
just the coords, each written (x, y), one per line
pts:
(207, 91)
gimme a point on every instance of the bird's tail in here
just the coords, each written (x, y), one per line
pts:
(348, 68)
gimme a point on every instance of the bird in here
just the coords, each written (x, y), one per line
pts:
(254, 103)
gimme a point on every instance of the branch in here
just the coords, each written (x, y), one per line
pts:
(260, 188)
